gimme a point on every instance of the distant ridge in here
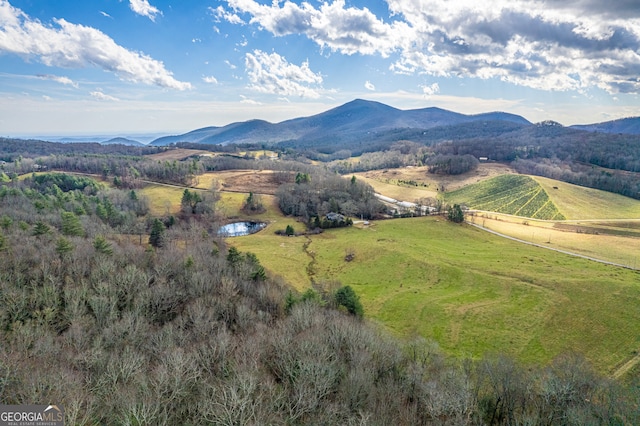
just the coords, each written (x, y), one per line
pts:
(356, 121)
(122, 141)
(630, 126)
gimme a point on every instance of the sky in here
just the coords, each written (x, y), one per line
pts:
(126, 67)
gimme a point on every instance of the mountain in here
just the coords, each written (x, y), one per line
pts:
(356, 121)
(122, 141)
(630, 126)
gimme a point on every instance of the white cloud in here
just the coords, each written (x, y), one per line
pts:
(223, 15)
(430, 90)
(347, 30)
(210, 79)
(271, 73)
(369, 86)
(249, 101)
(230, 65)
(105, 14)
(142, 7)
(47, 98)
(102, 97)
(70, 45)
(59, 79)
(547, 45)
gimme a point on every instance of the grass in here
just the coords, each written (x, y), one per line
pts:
(472, 292)
(602, 240)
(578, 202)
(399, 192)
(163, 199)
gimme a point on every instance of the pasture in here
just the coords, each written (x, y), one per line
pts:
(474, 293)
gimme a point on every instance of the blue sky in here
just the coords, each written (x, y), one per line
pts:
(121, 67)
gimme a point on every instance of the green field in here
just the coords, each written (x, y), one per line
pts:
(577, 202)
(512, 194)
(472, 292)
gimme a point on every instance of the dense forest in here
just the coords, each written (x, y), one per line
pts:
(121, 330)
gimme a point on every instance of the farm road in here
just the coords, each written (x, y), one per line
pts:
(551, 248)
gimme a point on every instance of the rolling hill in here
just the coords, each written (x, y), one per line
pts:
(512, 194)
(629, 126)
(356, 120)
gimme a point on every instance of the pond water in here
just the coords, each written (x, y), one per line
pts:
(239, 229)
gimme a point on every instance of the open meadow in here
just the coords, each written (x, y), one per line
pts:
(474, 293)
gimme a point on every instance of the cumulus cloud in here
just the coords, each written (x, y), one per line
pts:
(59, 79)
(210, 79)
(103, 97)
(142, 7)
(369, 86)
(271, 73)
(221, 14)
(70, 45)
(430, 90)
(348, 30)
(543, 44)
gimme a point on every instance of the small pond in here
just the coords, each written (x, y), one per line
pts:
(239, 229)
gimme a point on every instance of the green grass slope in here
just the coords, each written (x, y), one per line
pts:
(518, 195)
(578, 202)
(474, 293)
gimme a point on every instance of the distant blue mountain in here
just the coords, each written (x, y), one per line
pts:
(355, 120)
(122, 141)
(630, 126)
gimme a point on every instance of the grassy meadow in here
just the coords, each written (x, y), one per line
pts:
(472, 292)
(577, 202)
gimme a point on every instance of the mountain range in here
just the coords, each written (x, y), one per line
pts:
(358, 119)
(371, 122)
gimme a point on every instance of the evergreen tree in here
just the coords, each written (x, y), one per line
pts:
(289, 230)
(71, 225)
(5, 222)
(157, 235)
(102, 245)
(63, 246)
(455, 214)
(41, 228)
(345, 296)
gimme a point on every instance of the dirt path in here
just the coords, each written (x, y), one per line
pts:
(626, 367)
(551, 248)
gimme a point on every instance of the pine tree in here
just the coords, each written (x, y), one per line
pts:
(157, 237)
(455, 214)
(102, 245)
(63, 246)
(345, 296)
(71, 225)
(41, 228)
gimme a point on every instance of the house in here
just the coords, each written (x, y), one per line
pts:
(335, 217)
